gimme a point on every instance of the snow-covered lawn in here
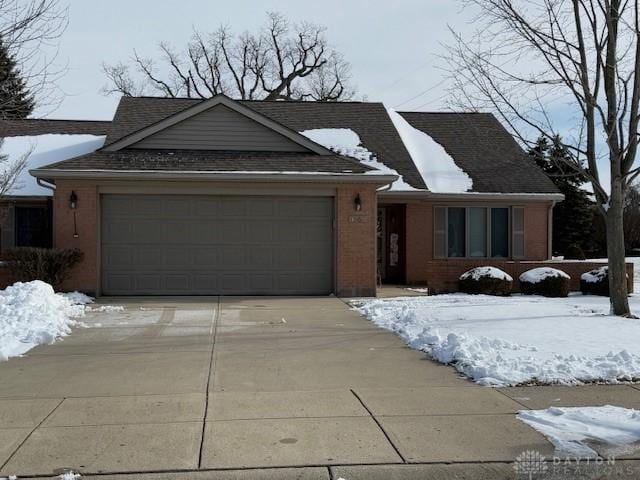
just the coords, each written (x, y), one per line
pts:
(32, 314)
(503, 341)
(575, 430)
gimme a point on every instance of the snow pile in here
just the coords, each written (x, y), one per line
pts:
(77, 298)
(486, 272)
(438, 170)
(45, 149)
(595, 276)
(503, 341)
(574, 431)
(537, 275)
(345, 141)
(32, 314)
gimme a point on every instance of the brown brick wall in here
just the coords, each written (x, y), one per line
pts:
(356, 241)
(85, 276)
(355, 237)
(444, 274)
(441, 275)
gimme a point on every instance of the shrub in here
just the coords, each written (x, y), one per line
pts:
(545, 281)
(51, 265)
(595, 282)
(486, 280)
(574, 252)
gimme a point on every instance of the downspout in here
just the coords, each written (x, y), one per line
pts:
(52, 187)
(550, 230)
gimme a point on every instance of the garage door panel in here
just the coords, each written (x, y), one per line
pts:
(177, 256)
(119, 256)
(193, 244)
(145, 283)
(150, 256)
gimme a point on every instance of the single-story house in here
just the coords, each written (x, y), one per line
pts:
(218, 196)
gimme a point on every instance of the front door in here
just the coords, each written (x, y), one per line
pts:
(391, 244)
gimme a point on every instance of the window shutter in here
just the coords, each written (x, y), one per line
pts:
(517, 232)
(439, 232)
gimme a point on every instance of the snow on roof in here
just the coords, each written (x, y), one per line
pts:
(345, 141)
(45, 149)
(438, 170)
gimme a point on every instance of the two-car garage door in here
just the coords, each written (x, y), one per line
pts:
(214, 245)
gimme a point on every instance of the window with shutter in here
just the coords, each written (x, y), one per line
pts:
(439, 232)
(517, 232)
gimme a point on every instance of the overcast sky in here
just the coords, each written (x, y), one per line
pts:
(393, 46)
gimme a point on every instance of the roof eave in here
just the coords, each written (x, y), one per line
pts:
(467, 196)
(319, 177)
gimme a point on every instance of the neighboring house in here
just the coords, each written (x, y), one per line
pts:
(251, 197)
(26, 209)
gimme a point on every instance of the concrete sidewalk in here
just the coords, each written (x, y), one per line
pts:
(291, 385)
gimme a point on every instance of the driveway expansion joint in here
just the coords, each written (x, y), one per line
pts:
(214, 330)
(15, 450)
(384, 432)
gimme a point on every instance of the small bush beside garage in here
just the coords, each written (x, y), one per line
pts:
(486, 281)
(50, 265)
(545, 281)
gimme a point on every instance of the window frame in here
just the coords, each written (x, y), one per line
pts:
(488, 208)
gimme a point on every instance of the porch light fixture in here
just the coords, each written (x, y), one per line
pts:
(357, 203)
(73, 204)
(73, 200)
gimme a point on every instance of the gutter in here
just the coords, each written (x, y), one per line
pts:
(472, 196)
(44, 184)
(49, 174)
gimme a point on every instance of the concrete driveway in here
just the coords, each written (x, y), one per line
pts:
(266, 387)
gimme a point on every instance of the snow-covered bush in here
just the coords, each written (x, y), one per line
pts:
(545, 281)
(486, 280)
(50, 265)
(595, 282)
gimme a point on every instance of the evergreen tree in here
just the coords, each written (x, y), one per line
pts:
(573, 231)
(15, 99)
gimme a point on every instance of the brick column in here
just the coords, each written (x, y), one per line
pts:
(356, 241)
(85, 275)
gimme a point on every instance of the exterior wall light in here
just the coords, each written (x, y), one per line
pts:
(73, 200)
(73, 204)
(357, 203)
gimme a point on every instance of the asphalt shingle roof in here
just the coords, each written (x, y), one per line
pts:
(477, 142)
(481, 146)
(211, 161)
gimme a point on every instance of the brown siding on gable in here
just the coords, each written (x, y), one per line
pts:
(219, 128)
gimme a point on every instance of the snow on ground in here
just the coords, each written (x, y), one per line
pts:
(575, 430)
(438, 170)
(77, 298)
(502, 341)
(345, 141)
(43, 150)
(31, 314)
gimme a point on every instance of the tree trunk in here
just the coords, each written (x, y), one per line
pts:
(615, 252)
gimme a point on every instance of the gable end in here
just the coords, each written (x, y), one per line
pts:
(219, 128)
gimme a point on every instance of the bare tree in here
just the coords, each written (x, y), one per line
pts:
(281, 62)
(30, 30)
(568, 67)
